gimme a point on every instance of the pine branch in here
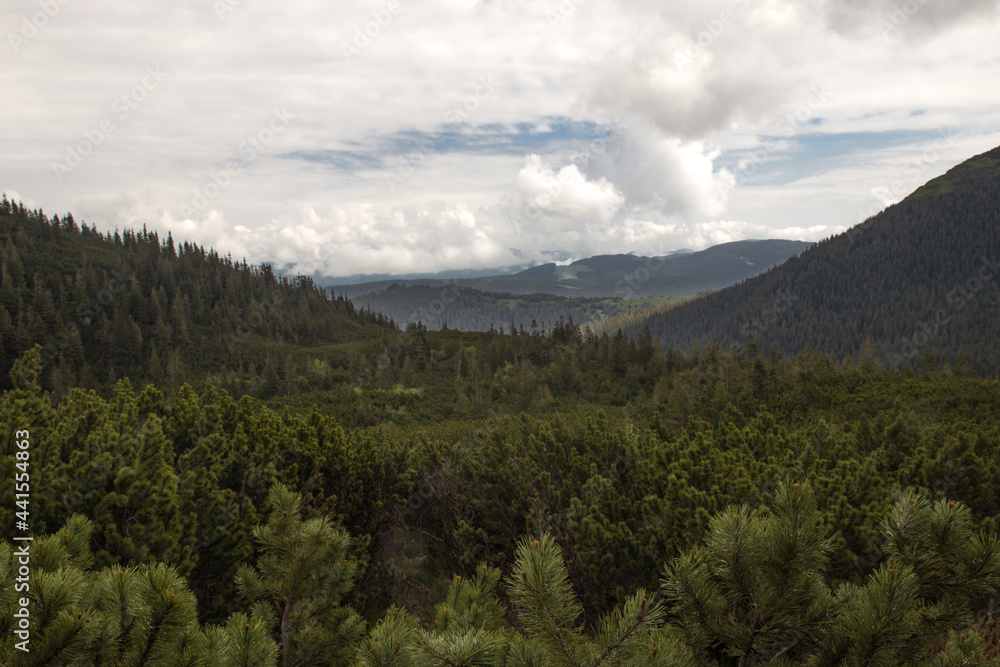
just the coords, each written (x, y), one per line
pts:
(645, 615)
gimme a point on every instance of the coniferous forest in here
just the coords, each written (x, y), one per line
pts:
(924, 274)
(231, 467)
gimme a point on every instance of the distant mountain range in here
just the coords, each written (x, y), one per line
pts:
(625, 276)
(923, 275)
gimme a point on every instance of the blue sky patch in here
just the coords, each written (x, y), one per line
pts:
(782, 160)
(545, 136)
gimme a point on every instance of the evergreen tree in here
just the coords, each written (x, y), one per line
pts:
(755, 593)
(548, 610)
(116, 616)
(296, 588)
(937, 565)
(756, 588)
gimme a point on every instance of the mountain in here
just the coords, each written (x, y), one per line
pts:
(923, 274)
(103, 307)
(469, 309)
(450, 274)
(627, 276)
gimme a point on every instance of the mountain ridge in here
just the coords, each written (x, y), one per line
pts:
(921, 274)
(621, 275)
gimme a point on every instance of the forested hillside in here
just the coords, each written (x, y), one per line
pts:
(318, 487)
(608, 490)
(468, 309)
(105, 307)
(924, 273)
(517, 346)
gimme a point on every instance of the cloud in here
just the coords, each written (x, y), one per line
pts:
(565, 196)
(641, 111)
(705, 234)
(665, 174)
(685, 101)
(356, 239)
(906, 19)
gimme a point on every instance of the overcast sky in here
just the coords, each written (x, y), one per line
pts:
(417, 136)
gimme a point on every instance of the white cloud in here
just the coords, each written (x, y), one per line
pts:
(666, 174)
(567, 195)
(907, 19)
(354, 239)
(669, 178)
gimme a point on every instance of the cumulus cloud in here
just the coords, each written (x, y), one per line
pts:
(357, 239)
(697, 97)
(566, 196)
(664, 173)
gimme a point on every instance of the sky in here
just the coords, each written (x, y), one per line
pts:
(409, 136)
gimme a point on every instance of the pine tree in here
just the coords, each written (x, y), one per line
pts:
(296, 588)
(117, 616)
(246, 643)
(937, 564)
(391, 643)
(467, 629)
(755, 593)
(756, 587)
(221, 540)
(548, 610)
(139, 510)
(867, 361)
(151, 612)
(471, 626)
(59, 633)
